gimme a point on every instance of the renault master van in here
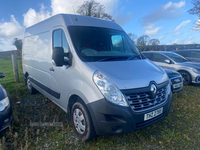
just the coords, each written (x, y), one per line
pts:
(92, 70)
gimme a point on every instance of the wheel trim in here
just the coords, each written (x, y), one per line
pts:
(185, 78)
(79, 121)
(29, 84)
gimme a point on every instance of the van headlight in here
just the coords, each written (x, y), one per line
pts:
(4, 103)
(168, 90)
(108, 89)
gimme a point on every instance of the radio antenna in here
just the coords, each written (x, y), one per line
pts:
(75, 14)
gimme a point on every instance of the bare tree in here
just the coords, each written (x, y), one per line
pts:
(133, 37)
(18, 43)
(142, 40)
(93, 9)
(154, 42)
(196, 11)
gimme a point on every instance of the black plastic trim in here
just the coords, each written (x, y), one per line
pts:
(197, 79)
(45, 88)
(7, 125)
(151, 121)
(144, 89)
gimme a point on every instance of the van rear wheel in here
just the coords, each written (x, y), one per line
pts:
(82, 122)
(30, 88)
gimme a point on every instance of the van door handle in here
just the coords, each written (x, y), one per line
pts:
(51, 69)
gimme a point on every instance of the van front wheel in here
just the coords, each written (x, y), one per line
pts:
(30, 88)
(82, 122)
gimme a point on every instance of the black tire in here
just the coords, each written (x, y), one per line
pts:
(30, 88)
(187, 80)
(82, 122)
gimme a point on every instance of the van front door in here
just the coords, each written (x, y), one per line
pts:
(59, 76)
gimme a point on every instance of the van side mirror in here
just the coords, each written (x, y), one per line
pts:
(2, 75)
(58, 56)
(69, 56)
(167, 61)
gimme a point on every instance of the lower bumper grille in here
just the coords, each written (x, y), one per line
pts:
(146, 123)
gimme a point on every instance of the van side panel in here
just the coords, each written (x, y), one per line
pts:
(36, 56)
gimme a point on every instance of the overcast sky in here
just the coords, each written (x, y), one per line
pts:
(165, 20)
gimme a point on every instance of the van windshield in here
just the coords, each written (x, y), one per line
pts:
(102, 44)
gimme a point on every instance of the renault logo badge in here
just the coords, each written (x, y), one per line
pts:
(153, 91)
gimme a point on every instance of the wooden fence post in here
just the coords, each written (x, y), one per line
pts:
(15, 67)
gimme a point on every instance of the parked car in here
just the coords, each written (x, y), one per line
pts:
(190, 71)
(175, 80)
(5, 107)
(190, 54)
(92, 70)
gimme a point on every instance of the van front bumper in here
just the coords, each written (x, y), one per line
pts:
(112, 119)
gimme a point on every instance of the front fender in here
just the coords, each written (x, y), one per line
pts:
(87, 91)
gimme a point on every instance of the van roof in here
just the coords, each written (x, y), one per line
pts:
(70, 20)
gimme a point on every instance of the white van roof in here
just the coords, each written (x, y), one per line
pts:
(70, 20)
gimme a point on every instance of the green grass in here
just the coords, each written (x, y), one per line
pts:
(179, 130)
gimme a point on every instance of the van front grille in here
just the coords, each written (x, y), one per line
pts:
(142, 101)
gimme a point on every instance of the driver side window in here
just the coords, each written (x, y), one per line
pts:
(59, 40)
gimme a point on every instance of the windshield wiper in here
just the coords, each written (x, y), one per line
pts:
(110, 58)
(133, 57)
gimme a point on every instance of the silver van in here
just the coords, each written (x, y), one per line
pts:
(92, 70)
